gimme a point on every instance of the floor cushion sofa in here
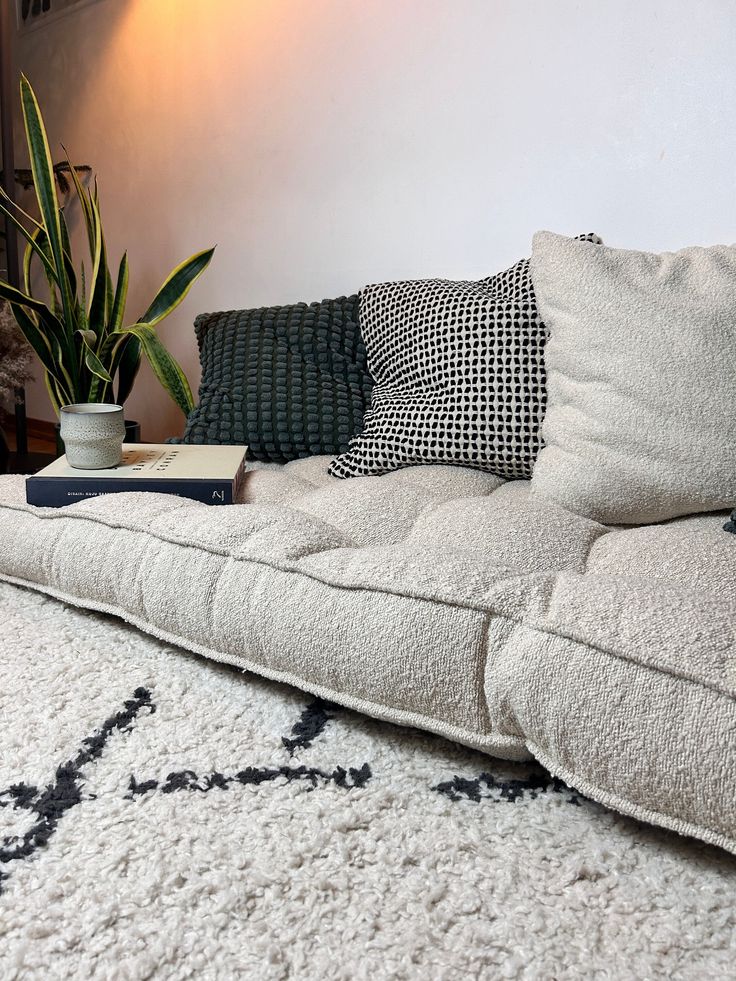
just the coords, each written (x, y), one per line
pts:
(442, 598)
(585, 618)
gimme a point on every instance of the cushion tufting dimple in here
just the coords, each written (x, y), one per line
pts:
(439, 597)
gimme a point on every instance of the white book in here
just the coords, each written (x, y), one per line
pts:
(211, 474)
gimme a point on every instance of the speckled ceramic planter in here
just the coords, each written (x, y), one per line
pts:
(132, 435)
(93, 435)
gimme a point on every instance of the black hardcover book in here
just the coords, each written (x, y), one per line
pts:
(211, 474)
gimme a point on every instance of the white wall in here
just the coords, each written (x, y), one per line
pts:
(324, 144)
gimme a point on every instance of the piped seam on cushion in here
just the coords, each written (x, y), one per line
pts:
(491, 743)
(284, 567)
(622, 804)
(521, 749)
(289, 569)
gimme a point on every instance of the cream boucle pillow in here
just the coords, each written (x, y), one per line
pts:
(641, 368)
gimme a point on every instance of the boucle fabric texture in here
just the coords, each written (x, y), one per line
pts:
(287, 381)
(162, 816)
(459, 375)
(442, 598)
(641, 367)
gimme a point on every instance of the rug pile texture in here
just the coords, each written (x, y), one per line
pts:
(163, 816)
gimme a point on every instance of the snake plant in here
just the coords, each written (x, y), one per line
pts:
(78, 330)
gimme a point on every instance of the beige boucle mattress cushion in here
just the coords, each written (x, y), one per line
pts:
(437, 597)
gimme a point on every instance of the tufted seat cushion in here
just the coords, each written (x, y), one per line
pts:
(437, 597)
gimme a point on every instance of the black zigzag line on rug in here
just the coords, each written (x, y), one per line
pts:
(311, 724)
(57, 798)
(188, 780)
(487, 787)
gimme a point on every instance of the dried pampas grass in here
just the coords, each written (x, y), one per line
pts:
(16, 356)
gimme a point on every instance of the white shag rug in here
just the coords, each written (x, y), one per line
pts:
(162, 816)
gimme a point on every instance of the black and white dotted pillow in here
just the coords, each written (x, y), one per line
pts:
(458, 370)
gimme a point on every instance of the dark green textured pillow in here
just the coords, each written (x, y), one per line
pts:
(290, 381)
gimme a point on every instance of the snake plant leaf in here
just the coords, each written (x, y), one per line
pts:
(83, 197)
(40, 245)
(112, 353)
(54, 329)
(48, 354)
(95, 198)
(17, 208)
(97, 299)
(98, 386)
(67, 251)
(13, 295)
(121, 294)
(30, 238)
(177, 286)
(109, 291)
(45, 187)
(56, 400)
(52, 324)
(128, 363)
(92, 361)
(83, 287)
(61, 367)
(83, 323)
(102, 296)
(38, 341)
(121, 353)
(90, 205)
(166, 368)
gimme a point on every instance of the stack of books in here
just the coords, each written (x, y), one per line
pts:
(211, 474)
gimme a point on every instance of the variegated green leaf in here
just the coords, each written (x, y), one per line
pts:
(68, 264)
(37, 340)
(177, 286)
(18, 210)
(82, 322)
(83, 285)
(111, 352)
(40, 245)
(61, 368)
(166, 368)
(44, 318)
(56, 400)
(121, 294)
(13, 295)
(83, 196)
(94, 364)
(127, 368)
(31, 239)
(96, 311)
(45, 187)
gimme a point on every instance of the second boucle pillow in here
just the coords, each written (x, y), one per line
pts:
(642, 380)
